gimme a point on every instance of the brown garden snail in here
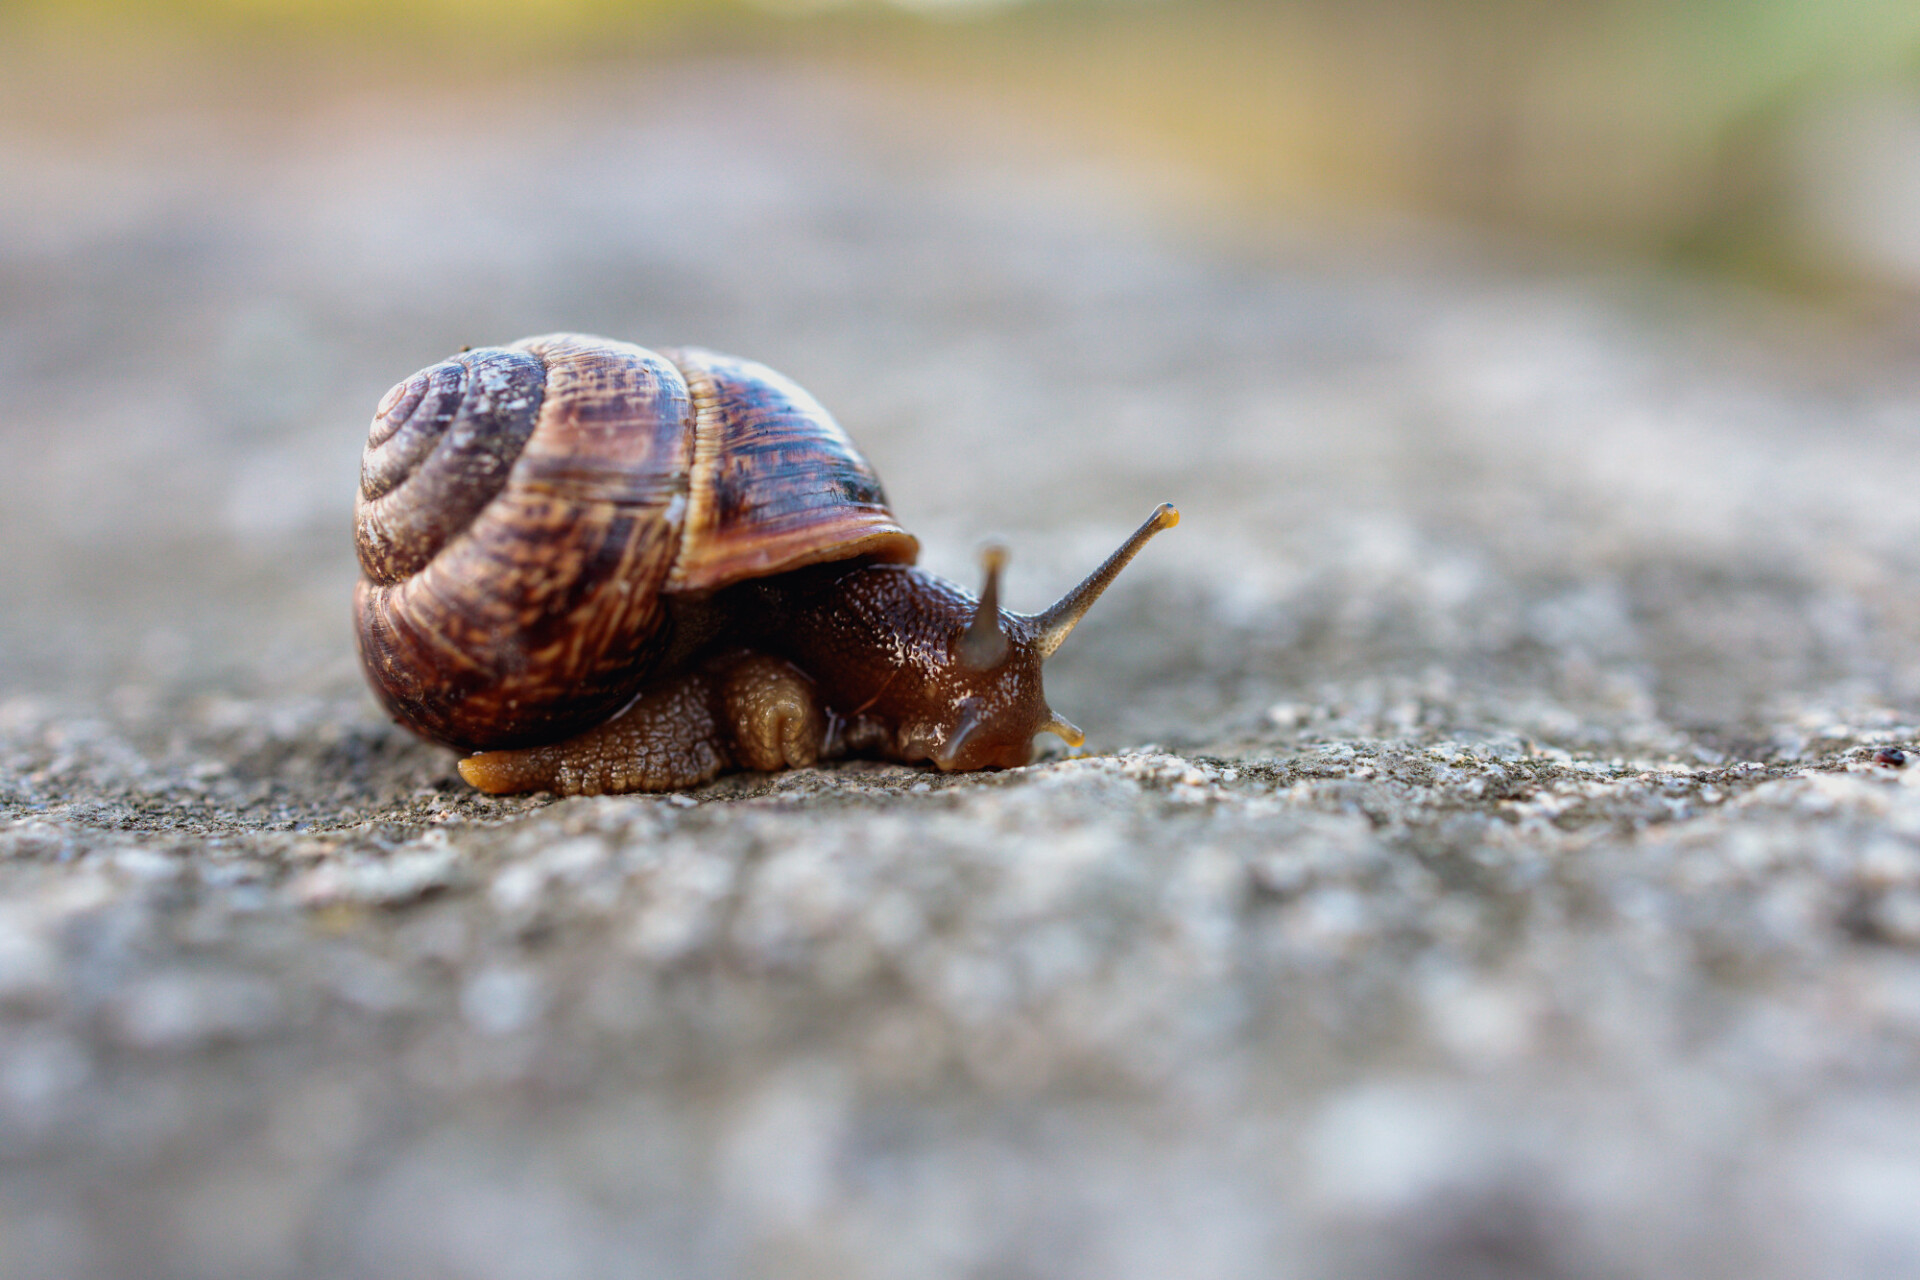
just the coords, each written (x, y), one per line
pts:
(605, 568)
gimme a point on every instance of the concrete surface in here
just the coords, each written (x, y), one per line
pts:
(1492, 856)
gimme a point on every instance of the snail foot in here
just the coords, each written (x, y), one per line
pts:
(668, 738)
(744, 710)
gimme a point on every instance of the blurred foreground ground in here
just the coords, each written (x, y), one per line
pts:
(1485, 864)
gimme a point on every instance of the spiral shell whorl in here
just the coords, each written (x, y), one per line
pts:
(537, 610)
(440, 448)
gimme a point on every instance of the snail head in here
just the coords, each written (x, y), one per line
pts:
(988, 689)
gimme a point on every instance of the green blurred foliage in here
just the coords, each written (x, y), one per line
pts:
(1669, 128)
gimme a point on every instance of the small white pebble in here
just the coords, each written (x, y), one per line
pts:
(517, 889)
(29, 965)
(384, 881)
(573, 859)
(39, 1070)
(146, 864)
(501, 1000)
(1897, 917)
(183, 1010)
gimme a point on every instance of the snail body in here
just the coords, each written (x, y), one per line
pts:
(605, 568)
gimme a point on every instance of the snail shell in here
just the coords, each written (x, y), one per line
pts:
(528, 517)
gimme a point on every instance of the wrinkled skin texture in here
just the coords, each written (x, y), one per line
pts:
(845, 660)
(883, 641)
(737, 710)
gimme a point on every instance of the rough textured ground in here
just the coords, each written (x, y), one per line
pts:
(1492, 857)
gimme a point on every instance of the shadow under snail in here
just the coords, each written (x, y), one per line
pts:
(604, 568)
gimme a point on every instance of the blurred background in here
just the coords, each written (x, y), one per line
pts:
(227, 225)
(1522, 890)
(1771, 140)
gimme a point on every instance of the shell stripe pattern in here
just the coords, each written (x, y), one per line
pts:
(542, 615)
(441, 445)
(525, 511)
(776, 482)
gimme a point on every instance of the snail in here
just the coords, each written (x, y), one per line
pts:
(601, 568)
